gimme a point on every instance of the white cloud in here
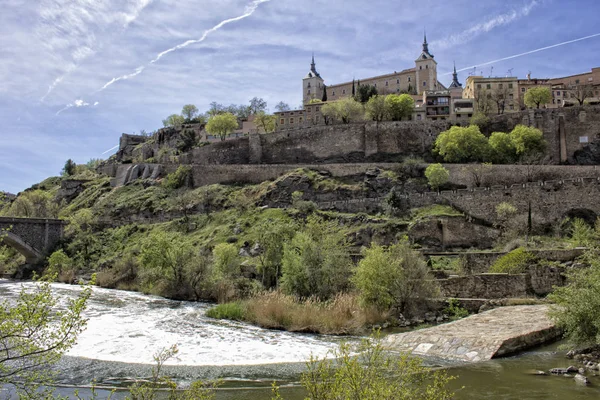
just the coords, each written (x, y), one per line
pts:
(486, 26)
(77, 104)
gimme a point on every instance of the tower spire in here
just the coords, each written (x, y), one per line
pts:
(455, 83)
(425, 44)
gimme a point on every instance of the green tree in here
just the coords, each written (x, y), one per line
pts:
(316, 262)
(502, 148)
(399, 106)
(538, 96)
(34, 204)
(164, 257)
(59, 263)
(69, 168)
(462, 144)
(35, 332)
(576, 308)
(369, 372)
(376, 108)
(272, 235)
(178, 179)
(365, 92)
(222, 125)
(226, 261)
(189, 112)
(528, 142)
(436, 175)
(397, 278)
(173, 120)
(265, 122)
(345, 110)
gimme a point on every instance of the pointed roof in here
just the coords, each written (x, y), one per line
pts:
(455, 83)
(425, 54)
(313, 69)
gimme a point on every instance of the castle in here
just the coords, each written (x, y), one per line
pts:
(434, 101)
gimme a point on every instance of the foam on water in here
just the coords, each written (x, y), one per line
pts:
(130, 327)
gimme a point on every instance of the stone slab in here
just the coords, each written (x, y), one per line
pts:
(495, 333)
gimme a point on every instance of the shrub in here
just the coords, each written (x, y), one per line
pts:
(577, 305)
(515, 262)
(436, 175)
(316, 262)
(233, 311)
(61, 265)
(455, 311)
(582, 234)
(460, 144)
(369, 372)
(181, 177)
(397, 277)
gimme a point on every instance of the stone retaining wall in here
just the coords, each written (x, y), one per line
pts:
(480, 262)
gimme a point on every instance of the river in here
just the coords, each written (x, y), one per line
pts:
(125, 329)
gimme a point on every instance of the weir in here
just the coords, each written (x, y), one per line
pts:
(491, 334)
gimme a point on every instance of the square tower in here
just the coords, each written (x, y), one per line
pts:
(426, 70)
(312, 85)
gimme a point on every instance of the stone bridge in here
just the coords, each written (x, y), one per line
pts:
(32, 237)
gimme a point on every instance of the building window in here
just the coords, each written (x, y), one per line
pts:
(418, 117)
(553, 101)
(291, 120)
(375, 85)
(308, 109)
(409, 78)
(386, 83)
(500, 86)
(511, 96)
(469, 115)
(300, 120)
(308, 84)
(564, 94)
(510, 85)
(558, 101)
(427, 67)
(512, 107)
(308, 91)
(317, 118)
(489, 86)
(333, 94)
(398, 81)
(522, 90)
(397, 90)
(318, 108)
(577, 81)
(424, 83)
(282, 121)
(420, 67)
(344, 91)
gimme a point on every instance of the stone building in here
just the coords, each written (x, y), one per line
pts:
(414, 81)
(493, 95)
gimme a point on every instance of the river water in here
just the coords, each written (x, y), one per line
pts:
(125, 329)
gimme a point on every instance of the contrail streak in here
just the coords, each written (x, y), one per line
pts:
(111, 149)
(248, 12)
(526, 53)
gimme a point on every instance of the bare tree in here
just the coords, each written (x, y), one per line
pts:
(500, 96)
(581, 92)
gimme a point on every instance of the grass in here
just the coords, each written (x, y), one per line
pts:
(234, 311)
(275, 310)
(435, 210)
(515, 262)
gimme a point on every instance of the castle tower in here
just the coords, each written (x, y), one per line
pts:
(455, 87)
(312, 84)
(426, 69)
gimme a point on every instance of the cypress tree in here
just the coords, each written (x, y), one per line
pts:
(324, 93)
(353, 89)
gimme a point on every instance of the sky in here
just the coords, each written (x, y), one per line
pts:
(76, 74)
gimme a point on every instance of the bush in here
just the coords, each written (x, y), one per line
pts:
(460, 144)
(233, 311)
(515, 262)
(397, 277)
(577, 305)
(178, 179)
(455, 311)
(316, 262)
(436, 175)
(61, 265)
(582, 234)
(369, 372)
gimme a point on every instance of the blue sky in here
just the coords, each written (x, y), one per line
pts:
(59, 57)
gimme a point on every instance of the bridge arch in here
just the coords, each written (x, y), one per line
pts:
(32, 255)
(32, 237)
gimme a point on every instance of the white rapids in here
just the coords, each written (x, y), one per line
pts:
(131, 327)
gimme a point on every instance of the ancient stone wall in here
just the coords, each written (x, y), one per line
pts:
(485, 286)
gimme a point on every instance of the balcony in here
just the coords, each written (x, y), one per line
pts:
(463, 110)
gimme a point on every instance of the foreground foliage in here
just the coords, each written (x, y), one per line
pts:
(577, 305)
(34, 333)
(372, 374)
